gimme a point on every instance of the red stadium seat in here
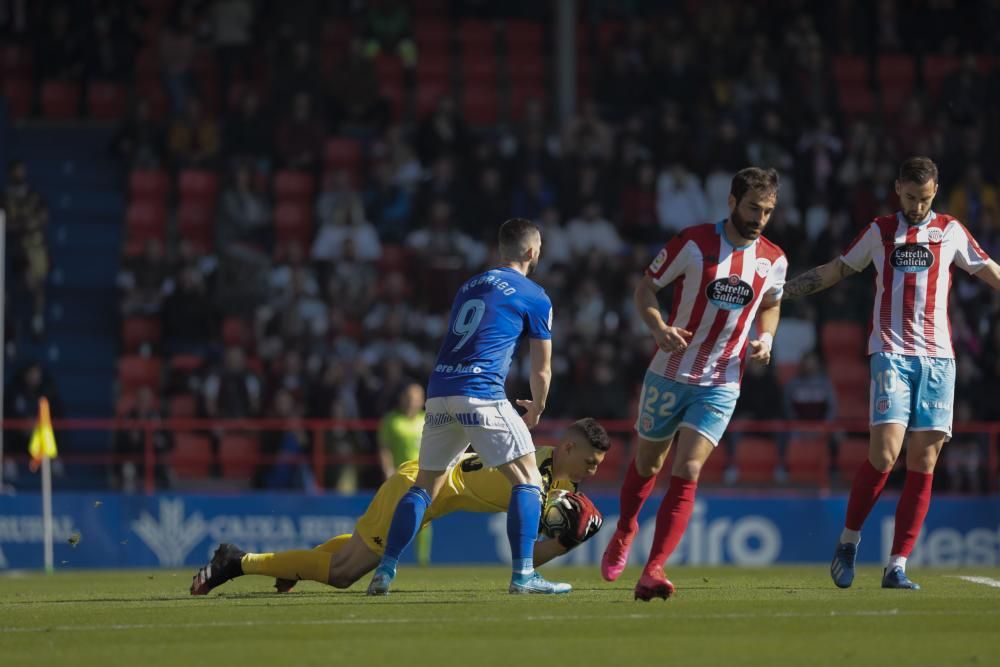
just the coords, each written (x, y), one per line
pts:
(714, 469)
(395, 95)
(343, 153)
(520, 94)
(291, 185)
(434, 34)
(239, 456)
(756, 458)
(524, 35)
(842, 340)
(786, 372)
(479, 69)
(336, 32)
(848, 374)
(851, 453)
(428, 96)
(145, 219)
(856, 99)
(293, 222)
(196, 223)
(105, 101)
(434, 68)
(60, 100)
(148, 184)
(183, 406)
(236, 332)
(136, 371)
(124, 404)
(18, 93)
(612, 470)
(137, 331)
(896, 71)
(850, 70)
(475, 36)
(480, 105)
(185, 363)
(526, 68)
(936, 70)
(198, 185)
(808, 461)
(15, 62)
(852, 402)
(151, 90)
(389, 68)
(191, 457)
(893, 98)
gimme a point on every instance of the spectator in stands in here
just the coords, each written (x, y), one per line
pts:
(232, 23)
(284, 450)
(139, 142)
(442, 132)
(488, 199)
(442, 183)
(532, 196)
(586, 136)
(232, 391)
(142, 280)
(298, 74)
(973, 200)
(352, 93)
(440, 243)
(127, 475)
(190, 318)
(965, 455)
(297, 316)
(249, 133)
(555, 239)
(193, 137)
(389, 203)
(177, 51)
(680, 201)
(244, 214)
(299, 139)
(638, 205)
(338, 191)
(27, 218)
(59, 51)
(389, 29)
(347, 223)
(110, 56)
(592, 232)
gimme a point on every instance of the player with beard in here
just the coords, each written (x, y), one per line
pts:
(912, 359)
(724, 274)
(467, 405)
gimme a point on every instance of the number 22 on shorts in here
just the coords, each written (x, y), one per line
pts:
(667, 401)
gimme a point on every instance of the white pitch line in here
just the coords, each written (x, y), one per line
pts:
(985, 581)
(382, 621)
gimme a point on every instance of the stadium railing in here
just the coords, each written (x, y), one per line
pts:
(319, 458)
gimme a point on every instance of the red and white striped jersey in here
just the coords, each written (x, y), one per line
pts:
(913, 264)
(717, 292)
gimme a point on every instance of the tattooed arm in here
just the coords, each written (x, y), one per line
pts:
(817, 279)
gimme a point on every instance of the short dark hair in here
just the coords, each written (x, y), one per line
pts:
(754, 178)
(918, 170)
(513, 235)
(593, 432)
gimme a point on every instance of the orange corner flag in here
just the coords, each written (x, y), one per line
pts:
(43, 440)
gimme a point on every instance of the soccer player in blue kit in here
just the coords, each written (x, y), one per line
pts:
(466, 404)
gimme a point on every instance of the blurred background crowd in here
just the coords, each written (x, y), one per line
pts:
(308, 182)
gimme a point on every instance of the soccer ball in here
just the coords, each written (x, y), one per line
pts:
(554, 513)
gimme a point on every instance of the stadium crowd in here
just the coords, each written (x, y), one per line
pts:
(673, 99)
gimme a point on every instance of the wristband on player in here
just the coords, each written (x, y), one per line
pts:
(766, 337)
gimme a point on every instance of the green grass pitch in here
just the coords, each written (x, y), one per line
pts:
(463, 616)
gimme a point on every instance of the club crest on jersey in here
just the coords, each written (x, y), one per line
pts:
(729, 293)
(763, 266)
(911, 258)
(934, 235)
(882, 405)
(646, 422)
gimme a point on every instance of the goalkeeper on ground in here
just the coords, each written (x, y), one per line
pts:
(344, 559)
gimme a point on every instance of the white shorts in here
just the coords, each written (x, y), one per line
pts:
(493, 428)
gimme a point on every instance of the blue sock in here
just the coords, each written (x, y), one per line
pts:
(523, 515)
(405, 524)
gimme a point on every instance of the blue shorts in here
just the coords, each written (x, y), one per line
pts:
(917, 392)
(665, 406)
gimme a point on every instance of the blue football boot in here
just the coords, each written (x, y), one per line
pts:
(535, 584)
(842, 567)
(896, 578)
(381, 581)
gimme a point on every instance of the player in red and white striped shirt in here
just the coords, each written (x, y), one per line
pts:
(723, 275)
(912, 359)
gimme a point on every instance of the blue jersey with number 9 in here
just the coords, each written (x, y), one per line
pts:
(491, 312)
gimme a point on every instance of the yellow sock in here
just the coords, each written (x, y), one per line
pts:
(308, 564)
(335, 544)
(423, 545)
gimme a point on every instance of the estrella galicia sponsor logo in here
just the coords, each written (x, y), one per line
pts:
(911, 258)
(729, 293)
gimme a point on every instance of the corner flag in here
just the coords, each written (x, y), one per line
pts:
(43, 440)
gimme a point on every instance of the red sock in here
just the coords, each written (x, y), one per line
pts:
(671, 521)
(635, 490)
(867, 487)
(911, 510)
